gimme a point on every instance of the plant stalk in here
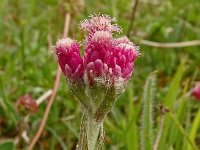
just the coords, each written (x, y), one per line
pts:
(91, 133)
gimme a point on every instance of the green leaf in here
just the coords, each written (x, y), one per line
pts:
(131, 128)
(181, 129)
(7, 145)
(174, 86)
(147, 136)
(59, 139)
(169, 102)
(194, 129)
(181, 115)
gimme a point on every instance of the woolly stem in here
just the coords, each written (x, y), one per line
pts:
(91, 133)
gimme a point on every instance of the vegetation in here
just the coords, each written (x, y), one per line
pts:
(156, 107)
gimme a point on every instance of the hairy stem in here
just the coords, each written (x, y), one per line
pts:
(91, 133)
(82, 144)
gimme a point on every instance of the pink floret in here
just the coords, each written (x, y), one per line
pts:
(70, 61)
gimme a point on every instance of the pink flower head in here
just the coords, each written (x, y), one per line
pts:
(101, 75)
(109, 58)
(196, 91)
(106, 59)
(70, 61)
(99, 22)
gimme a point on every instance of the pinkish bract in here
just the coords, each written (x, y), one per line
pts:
(100, 76)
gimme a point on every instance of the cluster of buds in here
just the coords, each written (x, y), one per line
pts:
(101, 75)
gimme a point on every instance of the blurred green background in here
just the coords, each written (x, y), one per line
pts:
(29, 29)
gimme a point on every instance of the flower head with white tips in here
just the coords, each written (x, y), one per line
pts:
(99, 22)
(101, 75)
(105, 57)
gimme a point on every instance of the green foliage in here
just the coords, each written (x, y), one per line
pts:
(194, 129)
(169, 102)
(7, 145)
(147, 136)
(131, 128)
(29, 29)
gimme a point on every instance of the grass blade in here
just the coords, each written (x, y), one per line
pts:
(194, 129)
(183, 131)
(53, 132)
(169, 103)
(131, 128)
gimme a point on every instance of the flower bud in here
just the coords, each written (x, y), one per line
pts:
(69, 58)
(196, 91)
(99, 22)
(71, 64)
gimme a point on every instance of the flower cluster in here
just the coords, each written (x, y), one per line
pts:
(100, 76)
(107, 62)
